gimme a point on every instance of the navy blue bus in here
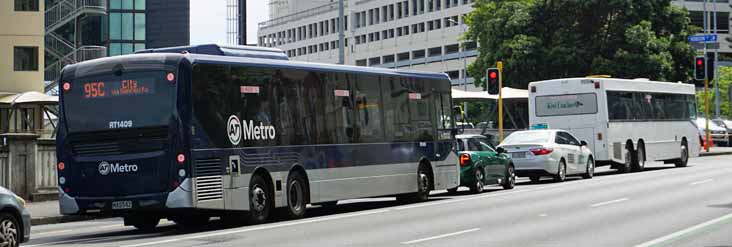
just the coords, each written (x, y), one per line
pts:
(188, 136)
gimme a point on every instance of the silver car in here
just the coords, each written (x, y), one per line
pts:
(14, 219)
(555, 153)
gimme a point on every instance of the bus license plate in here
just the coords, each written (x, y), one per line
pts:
(518, 155)
(122, 205)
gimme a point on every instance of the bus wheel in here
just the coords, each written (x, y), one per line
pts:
(260, 200)
(640, 159)
(296, 196)
(423, 187)
(625, 167)
(145, 223)
(684, 158)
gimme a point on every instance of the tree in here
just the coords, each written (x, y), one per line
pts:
(725, 82)
(548, 39)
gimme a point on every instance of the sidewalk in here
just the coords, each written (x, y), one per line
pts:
(47, 212)
(713, 151)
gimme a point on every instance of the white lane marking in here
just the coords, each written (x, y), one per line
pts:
(419, 205)
(110, 226)
(609, 202)
(542, 215)
(441, 236)
(301, 222)
(701, 182)
(51, 232)
(78, 241)
(674, 235)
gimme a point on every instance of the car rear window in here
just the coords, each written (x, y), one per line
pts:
(528, 137)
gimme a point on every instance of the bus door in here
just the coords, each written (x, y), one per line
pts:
(235, 190)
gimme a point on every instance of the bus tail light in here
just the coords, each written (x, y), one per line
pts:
(542, 151)
(61, 166)
(599, 136)
(464, 159)
(597, 85)
(67, 190)
(66, 86)
(181, 158)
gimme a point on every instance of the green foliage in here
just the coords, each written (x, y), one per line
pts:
(725, 81)
(548, 39)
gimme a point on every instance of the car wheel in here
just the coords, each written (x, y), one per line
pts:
(561, 172)
(479, 183)
(260, 200)
(9, 230)
(625, 167)
(296, 204)
(534, 179)
(684, 158)
(590, 172)
(510, 180)
(640, 159)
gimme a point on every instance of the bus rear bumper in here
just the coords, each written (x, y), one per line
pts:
(119, 205)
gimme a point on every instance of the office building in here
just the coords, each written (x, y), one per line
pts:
(406, 34)
(141, 24)
(236, 22)
(21, 46)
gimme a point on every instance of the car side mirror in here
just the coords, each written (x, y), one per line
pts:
(501, 150)
(583, 143)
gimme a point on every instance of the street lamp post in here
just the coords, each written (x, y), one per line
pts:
(465, 63)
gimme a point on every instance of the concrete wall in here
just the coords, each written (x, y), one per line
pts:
(20, 29)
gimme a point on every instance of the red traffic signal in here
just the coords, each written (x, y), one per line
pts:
(494, 77)
(700, 68)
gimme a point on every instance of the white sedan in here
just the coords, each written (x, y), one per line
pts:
(555, 153)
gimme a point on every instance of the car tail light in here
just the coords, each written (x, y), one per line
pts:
(542, 151)
(599, 136)
(464, 159)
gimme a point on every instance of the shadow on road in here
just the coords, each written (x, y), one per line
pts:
(130, 233)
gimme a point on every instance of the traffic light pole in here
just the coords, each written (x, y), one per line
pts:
(706, 106)
(500, 101)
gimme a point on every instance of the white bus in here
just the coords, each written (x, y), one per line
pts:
(625, 122)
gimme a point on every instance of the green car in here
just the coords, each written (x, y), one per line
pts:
(481, 165)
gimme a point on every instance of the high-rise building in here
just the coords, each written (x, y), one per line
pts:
(414, 34)
(141, 24)
(236, 22)
(21, 46)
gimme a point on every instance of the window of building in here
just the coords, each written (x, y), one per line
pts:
(430, 26)
(697, 19)
(388, 59)
(26, 5)
(140, 4)
(438, 23)
(434, 51)
(25, 58)
(418, 54)
(374, 61)
(361, 62)
(469, 46)
(403, 56)
(449, 49)
(453, 74)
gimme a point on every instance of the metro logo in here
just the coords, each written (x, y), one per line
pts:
(105, 168)
(261, 132)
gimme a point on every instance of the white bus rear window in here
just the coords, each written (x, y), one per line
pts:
(568, 104)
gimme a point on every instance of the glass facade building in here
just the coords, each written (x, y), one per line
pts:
(140, 24)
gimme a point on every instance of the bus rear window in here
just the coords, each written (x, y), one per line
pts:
(568, 104)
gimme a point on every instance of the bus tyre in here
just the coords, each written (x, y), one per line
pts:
(479, 181)
(640, 159)
(9, 230)
(143, 223)
(423, 187)
(590, 170)
(684, 158)
(510, 179)
(625, 167)
(260, 200)
(296, 196)
(561, 172)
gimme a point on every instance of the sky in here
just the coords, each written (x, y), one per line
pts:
(208, 20)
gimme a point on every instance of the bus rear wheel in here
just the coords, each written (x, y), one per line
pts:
(260, 200)
(146, 223)
(423, 187)
(296, 204)
(684, 158)
(639, 163)
(625, 167)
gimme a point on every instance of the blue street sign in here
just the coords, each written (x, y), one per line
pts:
(707, 38)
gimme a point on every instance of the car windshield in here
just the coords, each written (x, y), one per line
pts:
(527, 137)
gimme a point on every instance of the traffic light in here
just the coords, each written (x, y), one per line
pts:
(710, 66)
(493, 77)
(700, 68)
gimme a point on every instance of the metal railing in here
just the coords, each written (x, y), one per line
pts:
(81, 54)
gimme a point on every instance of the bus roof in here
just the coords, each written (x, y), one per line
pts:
(208, 59)
(224, 50)
(618, 84)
